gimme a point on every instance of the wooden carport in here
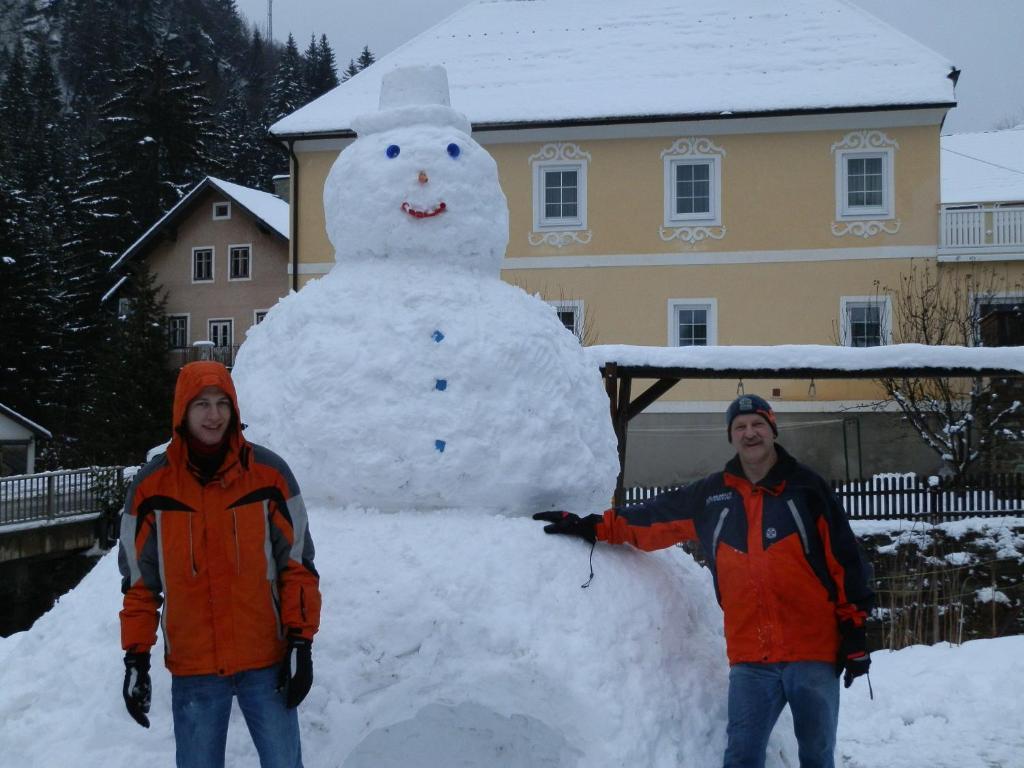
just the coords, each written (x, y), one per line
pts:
(665, 367)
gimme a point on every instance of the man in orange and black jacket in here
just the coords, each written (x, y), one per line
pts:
(788, 573)
(216, 550)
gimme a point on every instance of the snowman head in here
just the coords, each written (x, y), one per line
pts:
(414, 187)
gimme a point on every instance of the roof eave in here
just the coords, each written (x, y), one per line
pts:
(677, 117)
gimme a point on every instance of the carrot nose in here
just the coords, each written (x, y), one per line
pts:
(423, 177)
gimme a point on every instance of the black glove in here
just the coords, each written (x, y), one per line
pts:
(295, 675)
(137, 688)
(854, 658)
(570, 524)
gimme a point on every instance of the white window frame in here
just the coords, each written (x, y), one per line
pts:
(708, 305)
(846, 302)
(256, 319)
(846, 212)
(213, 263)
(541, 222)
(231, 247)
(711, 218)
(225, 216)
(231, 327)
(188, 328)
(576, 307)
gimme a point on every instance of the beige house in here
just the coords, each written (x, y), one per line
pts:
(221, 255)
(707, 176)
(18, 437)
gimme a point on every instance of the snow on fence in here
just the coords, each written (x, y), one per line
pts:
(53, 495)
(891, 496)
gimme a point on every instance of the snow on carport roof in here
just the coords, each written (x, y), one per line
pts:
(511, 61)
(820, 360)
(983, 167)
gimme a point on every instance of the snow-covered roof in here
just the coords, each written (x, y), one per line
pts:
(983, 167)
(265, 207)
(545, 61)
(763, 362)
(28, 424)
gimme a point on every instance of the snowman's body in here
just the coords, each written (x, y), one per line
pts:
(449, 387)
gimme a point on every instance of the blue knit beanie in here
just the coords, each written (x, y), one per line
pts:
(745, 404)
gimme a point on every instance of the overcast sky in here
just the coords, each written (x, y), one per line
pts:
(982, 38)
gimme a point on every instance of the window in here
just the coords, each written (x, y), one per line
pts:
(866, 321)
(693, 322)
(13, 457)
(221, 332)
(202, 265)
(177, 331)
(560, 187)
(999, 321)
(124, 307)
(692, 190)
(221, 211)
(562, 197)
(570, 312)
(240, 263)
(258, 315)
(864, 184)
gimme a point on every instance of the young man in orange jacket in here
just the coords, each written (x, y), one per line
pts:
(788, 574)
(215, 548)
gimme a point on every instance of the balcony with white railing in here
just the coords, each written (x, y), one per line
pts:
(983, 231)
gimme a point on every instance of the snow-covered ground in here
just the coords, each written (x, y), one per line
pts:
(429, 636)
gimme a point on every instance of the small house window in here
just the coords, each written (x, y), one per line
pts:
(693, 322)
(866, 321)
(177, 331)
(240, 262)
(259, 315)
(864, 184)
(202, 265)
(570, 313)
(221, 211)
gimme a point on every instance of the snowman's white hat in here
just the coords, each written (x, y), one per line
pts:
(412, 96)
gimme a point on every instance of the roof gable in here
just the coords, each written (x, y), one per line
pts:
(28, 424)
(545, 61)
(265, 208)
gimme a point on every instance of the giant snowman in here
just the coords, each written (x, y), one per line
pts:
(427, 408)
(412, 375)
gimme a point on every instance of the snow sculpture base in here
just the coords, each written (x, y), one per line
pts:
(453, 633)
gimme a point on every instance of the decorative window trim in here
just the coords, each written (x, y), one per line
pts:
(188, 328)
(692, 228)
(846, 302)
(865, 221)
(256, 319)
(709, 305)
(225, 213)
(213, 263)
(231, 262)
(231, 325)
(560, 232)
(576, 307)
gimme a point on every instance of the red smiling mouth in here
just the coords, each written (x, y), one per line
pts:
(422, 214)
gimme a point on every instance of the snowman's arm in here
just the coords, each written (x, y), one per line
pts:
(654, 524)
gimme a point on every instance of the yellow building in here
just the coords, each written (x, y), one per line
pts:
(719, 173)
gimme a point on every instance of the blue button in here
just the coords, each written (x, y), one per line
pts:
(441, 385)
(437, 336)
(439, 444)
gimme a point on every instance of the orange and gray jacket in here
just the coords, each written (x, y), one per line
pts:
(786, 566)
(226, 567)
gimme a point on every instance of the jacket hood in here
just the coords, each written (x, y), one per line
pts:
(193, 379)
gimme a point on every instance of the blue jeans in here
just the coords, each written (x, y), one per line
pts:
(202, 706)
(757, 694)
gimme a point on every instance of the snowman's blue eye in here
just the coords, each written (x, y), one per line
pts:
(393, 150)
(453, 150)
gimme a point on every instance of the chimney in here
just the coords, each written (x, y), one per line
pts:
(282, 186)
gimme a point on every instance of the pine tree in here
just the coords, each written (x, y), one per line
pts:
(365, 58)
(350, 71)
(321, 72)
(288, 91)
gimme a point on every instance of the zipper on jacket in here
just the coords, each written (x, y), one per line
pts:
(191, 549)
(238, 551)
(799, 525)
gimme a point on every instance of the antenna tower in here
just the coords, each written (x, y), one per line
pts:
(270, 20)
